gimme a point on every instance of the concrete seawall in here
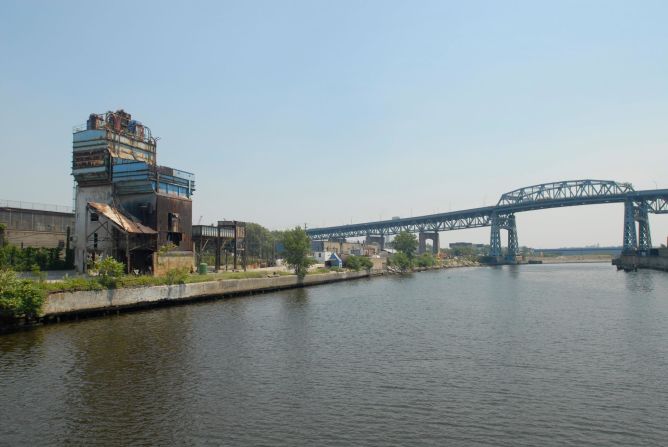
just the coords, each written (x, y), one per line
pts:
(641, 262)
(69, 303)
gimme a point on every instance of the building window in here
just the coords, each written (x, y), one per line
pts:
(173, 223)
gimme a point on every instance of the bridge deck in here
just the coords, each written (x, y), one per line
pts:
(562, 194)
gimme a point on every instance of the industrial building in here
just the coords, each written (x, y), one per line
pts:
(35, 224)
(126, 205)
(320, 247)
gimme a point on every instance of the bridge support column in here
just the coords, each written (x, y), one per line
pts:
(513, 243)
(380, 240)
(630, 239)
(495, 238)
(644, 236)
(423, 237)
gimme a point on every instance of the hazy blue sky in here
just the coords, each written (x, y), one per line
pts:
(331, 112)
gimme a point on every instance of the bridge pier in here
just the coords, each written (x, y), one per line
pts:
(495, 238)
(639, 241)
(380, 240)
(644, 235)
(506, 223)
(513, 243)
(630, 244)
(423, 237)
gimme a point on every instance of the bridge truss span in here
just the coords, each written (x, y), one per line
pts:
(565, 190)
(638, 204)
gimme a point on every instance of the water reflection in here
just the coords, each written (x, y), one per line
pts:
(642, 280)
(19, 347)
(503, 356)
(129, 368)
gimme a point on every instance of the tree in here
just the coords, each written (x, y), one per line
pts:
(406, 243)
(259, 242)
(297, 249)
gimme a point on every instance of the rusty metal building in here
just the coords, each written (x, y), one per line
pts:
(126, 205)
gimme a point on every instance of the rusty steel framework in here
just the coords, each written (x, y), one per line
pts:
(502, 215)
(227, 236)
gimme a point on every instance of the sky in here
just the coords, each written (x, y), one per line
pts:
(324, 113)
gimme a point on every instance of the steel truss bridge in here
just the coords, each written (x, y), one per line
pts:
(637, 206)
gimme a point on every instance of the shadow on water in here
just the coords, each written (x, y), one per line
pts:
(642, 280)
(129, 363)
(299, 296)
(19, 345)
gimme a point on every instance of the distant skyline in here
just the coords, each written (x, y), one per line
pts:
(332, 112)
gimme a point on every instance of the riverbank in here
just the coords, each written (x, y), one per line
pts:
(60, 304)
(447, 264)
(68, 303)
(572, 259)
(78, 297)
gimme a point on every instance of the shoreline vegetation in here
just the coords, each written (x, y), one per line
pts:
(21, 299)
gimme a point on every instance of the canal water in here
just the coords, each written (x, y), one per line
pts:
(525, 355)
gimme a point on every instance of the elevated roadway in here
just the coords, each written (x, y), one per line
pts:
(638, 204)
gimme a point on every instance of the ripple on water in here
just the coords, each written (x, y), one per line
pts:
(533, 355)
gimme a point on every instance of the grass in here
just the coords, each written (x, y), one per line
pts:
(322, 270)
(74, 284)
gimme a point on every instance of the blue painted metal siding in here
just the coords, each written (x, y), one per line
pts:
(139, 177)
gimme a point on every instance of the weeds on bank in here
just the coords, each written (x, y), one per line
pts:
(24, 297)
(19, 297)
(175, 276)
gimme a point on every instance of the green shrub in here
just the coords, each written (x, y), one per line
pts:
(109, 266)
(177, 276)
(19, 297)
(109, 271)
(74, 284)
(23, 259)
(358, 263)
(401, 261)
(425, 260)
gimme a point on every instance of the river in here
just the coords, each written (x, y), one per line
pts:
(516, 355)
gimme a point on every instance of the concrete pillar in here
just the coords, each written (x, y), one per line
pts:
(423, 237)
(380, 240)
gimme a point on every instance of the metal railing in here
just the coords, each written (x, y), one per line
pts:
(35, 206)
